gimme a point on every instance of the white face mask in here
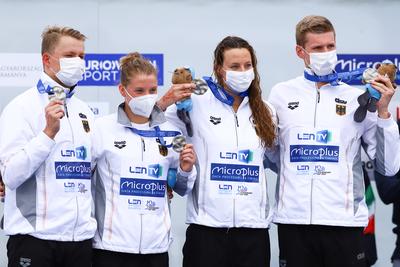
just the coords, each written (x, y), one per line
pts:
(142, 105)
(239, 81)
(71, 70)
(323, 63)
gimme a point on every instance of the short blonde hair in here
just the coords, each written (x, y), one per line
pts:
(52, 34)
(312, 24)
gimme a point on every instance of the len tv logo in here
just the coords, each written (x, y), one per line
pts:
(323, 136)
(245, 156)
(154, 170)
(79, 153)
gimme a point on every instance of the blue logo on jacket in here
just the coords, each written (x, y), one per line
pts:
(234, 173)
(245, 156)
(79, 153)
(314, 153)
(142, 187)
(323, 136)
(154, 170)
(72, 170)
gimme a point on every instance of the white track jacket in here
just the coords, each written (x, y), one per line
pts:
(47, 181)
(131, 205)
(321, 179)
(231, 188)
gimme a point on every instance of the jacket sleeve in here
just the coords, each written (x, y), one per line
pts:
(172, 118)
(185, 181)
(384, 145)
(22, 151)
(388, 187)
(272, 154)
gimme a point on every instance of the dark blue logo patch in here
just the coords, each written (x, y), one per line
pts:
(234, 173)
(314, 153)
(142, 187)
(73, 170)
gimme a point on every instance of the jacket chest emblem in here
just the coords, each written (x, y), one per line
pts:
(340, 106)
(215, 120)
(120, 144)
(293, 105)
(85, 122)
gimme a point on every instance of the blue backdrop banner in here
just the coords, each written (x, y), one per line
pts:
(350, 62)
(103, 69)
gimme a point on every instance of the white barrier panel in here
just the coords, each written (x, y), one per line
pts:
(19, 69)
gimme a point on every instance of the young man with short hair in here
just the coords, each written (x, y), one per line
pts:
(321, 209)
(46, 162)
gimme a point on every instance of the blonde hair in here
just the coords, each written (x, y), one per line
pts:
(133, 64)
(52, 34)
(312, 24)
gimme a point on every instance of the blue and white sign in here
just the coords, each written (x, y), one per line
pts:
(79, 153)
(350, 62)
(103, 69)
(314, 153)
(142, 187)
(72, 170)
(234, 173)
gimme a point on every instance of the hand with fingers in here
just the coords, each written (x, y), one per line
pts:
(187, 158)
(176, 93)
(385, 87)
(54, 112)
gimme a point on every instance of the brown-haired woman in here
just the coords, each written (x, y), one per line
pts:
(228, 210)
(132, 151)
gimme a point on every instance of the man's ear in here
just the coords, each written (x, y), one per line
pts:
(45, 59)
(300, 52)
(121, 90)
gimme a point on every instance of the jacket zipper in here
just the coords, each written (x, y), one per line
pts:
(73, 142)
(318, 98)
(69, 122)
(141, 233)
(348, 174)
(112, 200)
(204, 187)
(76, 221)
(143, 146)
(237, 146)
(236, 126)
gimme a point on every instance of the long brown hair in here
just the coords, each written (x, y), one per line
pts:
(261, 114)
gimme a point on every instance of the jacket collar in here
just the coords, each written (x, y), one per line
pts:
(157, 117)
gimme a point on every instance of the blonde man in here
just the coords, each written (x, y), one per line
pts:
(321, 209)
(46, 163)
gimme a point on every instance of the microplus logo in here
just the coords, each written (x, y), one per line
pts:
(313, 153)
(245, 156)
(73, 170)
(235, 173)
(79, 153)
(154, 170)
(142, 187)
(351, 62)
(323, 136)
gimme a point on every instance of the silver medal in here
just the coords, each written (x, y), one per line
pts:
(201, 87)
(178, 143)
(58, 94)
(369, 75)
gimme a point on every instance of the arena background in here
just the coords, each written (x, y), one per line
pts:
(185, 33)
